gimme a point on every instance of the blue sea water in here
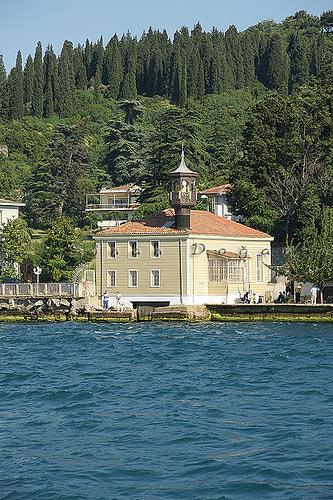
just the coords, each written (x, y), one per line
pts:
(170, 411)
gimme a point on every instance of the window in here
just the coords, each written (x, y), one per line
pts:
(155, 278)
(111, 278)
(111, 250)
(133, 278)
(155, 249)
(133, 250)
(234, 271)
(217, 269)
(212, 204)
(260, 268)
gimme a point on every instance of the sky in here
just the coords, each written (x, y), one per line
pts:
(24, 22)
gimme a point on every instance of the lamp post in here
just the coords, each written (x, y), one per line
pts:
(37, 271)
(205, 197)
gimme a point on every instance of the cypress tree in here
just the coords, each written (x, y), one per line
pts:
(87, 57)
(179, 78)
(195, 75)
(66, 80)
(80, 69)
(15, 86)
(128, 85)
(3, 91)
(278, 64)
(37, 96)
(28, 79)
(234, 57)
(299, 60)
(49, 71)
(96, 69)
(112, 69)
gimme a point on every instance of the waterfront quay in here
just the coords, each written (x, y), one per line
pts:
(64, 310)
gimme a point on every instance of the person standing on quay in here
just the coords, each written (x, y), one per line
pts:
(105, 300)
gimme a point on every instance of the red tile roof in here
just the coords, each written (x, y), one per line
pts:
(223, 189)
(225, 255)
(202, 222)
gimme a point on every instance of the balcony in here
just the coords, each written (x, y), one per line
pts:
(121, 204)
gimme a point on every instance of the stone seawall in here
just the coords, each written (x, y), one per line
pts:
(272, 312)
(64, 309)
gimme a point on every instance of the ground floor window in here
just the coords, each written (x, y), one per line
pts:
(111, 281)
(217, 269)
(155, 278)
(133, 278)
(231, 270)
(260, 268)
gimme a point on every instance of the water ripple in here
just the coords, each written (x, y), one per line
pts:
(168, 411)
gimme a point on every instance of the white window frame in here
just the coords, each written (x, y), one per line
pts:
(152, 278)
(260, 270)
(130, 256)
(129, 278)
(152, 249)
(108, 252)
(108, 280)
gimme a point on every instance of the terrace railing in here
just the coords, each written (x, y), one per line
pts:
(40, 290)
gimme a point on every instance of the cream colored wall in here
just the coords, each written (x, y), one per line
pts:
(195, 280)
(7, 214)
(168, 264)
(198, 266)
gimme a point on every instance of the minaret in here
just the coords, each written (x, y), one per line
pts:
(183, 194)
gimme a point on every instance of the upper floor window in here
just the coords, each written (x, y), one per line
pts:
(111, 249)
(133, 249)
(155, 249)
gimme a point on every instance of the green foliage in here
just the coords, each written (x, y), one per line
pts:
(224, 95)
(56, 186)
(14, 246)
(62, 251)
(313, 260)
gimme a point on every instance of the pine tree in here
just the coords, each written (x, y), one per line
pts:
(37, 96)
(3, 91)
(28, 79)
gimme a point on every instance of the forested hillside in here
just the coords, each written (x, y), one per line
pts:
(253, 108)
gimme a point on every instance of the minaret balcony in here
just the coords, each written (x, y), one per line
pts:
(181, 198)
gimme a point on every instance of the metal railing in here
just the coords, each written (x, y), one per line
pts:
(39, 290)
(111, 206)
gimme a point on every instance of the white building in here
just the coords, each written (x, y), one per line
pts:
(115, 205)
(9, 210)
